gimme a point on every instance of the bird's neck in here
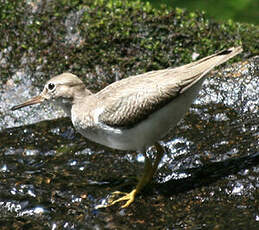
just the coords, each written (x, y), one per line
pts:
(80, 94)
(77, 97)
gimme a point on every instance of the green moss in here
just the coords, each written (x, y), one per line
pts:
(111, 37)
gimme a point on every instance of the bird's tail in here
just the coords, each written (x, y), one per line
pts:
(200, 68)
(206, 64)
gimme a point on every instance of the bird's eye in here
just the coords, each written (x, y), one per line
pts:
(51, 86)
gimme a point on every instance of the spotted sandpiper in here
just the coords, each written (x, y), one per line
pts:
(133, 113)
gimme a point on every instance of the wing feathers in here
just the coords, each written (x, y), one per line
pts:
(131, 100)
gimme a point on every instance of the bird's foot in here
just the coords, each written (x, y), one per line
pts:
(128, 197)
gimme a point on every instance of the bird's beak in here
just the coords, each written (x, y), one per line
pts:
(32, 101)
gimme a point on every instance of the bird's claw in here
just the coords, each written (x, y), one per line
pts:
(129, 197)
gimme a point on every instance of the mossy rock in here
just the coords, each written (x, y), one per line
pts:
(104, 39)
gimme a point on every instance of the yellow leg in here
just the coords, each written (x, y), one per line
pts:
(149, 171)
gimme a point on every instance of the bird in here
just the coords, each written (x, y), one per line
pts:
(133, 113)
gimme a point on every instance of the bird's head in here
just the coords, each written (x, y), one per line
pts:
(61, 89)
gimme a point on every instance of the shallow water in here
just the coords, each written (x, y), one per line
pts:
(53, 178)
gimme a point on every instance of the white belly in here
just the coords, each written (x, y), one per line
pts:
(147, 132)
